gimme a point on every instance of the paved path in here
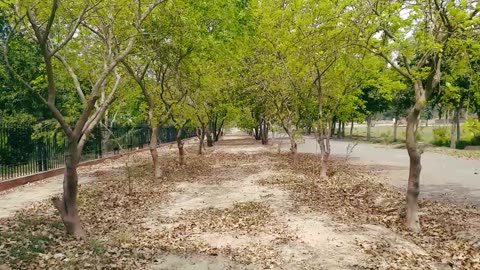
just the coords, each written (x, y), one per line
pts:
(442, 176)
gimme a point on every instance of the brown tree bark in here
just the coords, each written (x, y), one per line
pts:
(323, 139)
(218, 130)
(257, 132)
(413, 187)
(181, 150)
(369, 127)
(157, 171)
(265, 127)
(291, 136)
(457, 122)
(351, 128)
(67, 205)
(454, 136)
(339, 130)
(395, 127)
(208, 133)
(201, 139)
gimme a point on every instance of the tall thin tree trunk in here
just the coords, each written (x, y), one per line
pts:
(257, 132)
(201, 139)
(293, 143)
(180, 144)
(264, 127)
(351, 128)
(339, 130)
(208, 132)
(323, 139)
(218, 132)
(291, 136)
(333, 127)
(395, 127)
(157, 171)
(369, 127)
(457, 123)
(454, 130)
(67, 205)
(413, 188)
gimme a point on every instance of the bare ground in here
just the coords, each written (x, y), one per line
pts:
(242, 206)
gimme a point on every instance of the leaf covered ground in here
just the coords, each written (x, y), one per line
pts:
(242, 206)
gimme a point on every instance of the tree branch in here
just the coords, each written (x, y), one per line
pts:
(74, 78)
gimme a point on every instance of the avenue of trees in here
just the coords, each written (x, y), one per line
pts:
(298, 65)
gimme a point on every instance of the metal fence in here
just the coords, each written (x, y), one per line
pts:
(24, 151)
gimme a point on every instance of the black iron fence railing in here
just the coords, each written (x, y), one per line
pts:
(24, 151)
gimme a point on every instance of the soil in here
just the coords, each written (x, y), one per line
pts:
(220, 214)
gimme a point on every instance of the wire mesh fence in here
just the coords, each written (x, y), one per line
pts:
(24, 152)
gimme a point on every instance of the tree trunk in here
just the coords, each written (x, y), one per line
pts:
(369, 125)
(413, 187)
(339, 130)
(67, 205)
(218, 132)
(157, 171)
(343, 129)
(457, 123)
(201, 139)
(454, 130)
(333, 127)
(181, 151)
(257, 132)
(323, 139)
(293, 143)
(208, 132)
(395, 127)
(264, 127)
(351, 129)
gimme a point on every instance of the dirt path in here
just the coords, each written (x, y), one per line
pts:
(240, 206)
(293, 238)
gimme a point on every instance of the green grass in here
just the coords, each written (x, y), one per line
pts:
(384, 134)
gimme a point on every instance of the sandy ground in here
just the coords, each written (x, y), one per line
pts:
(316, 241)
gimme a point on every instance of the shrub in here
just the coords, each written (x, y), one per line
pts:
(471, 131)
(441, 136)
(386, 137)
(461, 144)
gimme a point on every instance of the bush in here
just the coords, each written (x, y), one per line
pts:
(419, 135)
(462, 144)
(471, 131)
(386, 137)
(441, 136)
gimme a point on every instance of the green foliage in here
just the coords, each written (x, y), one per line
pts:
(441, 136)
(471, 131)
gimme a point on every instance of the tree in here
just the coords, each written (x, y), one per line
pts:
(412, 38)
(56, 42)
